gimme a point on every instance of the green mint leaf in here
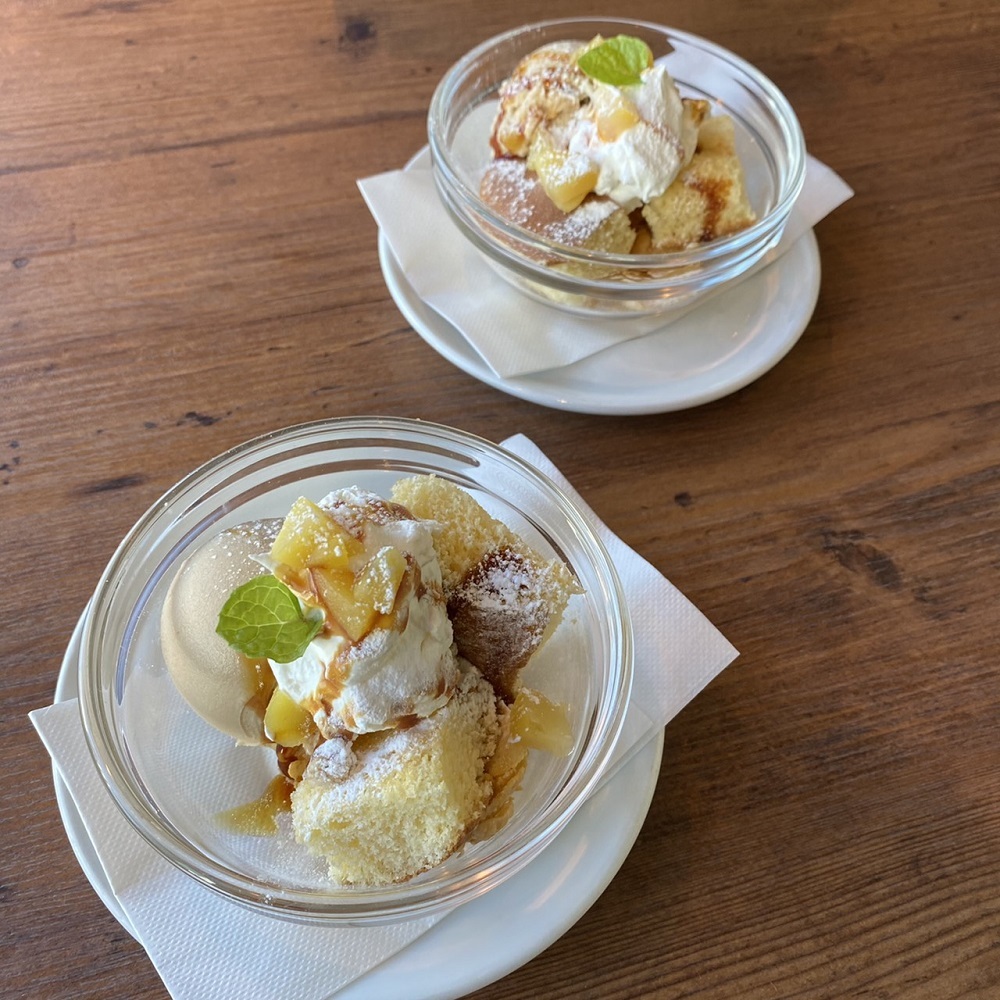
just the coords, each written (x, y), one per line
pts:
(263, 619)
(618, 61)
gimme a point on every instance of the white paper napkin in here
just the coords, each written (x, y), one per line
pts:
(207, 948)
(514, 334)
(677, 649)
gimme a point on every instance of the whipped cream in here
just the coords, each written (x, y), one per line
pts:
(392, 676)
(635, 138)
(645, 159)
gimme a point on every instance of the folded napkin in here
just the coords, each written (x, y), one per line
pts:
(514, 334)
(207, 948)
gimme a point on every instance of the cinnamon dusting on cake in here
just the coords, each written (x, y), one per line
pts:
(500, 614)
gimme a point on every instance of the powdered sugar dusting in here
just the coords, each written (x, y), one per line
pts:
(514, 193)
(335, 758)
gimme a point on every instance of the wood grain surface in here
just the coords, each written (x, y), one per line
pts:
(185, 262)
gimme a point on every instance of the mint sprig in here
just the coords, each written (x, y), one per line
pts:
(263, 619)
(619, 61)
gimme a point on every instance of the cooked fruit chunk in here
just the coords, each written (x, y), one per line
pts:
(540, 724)
(378, 581)
(566, 179)
(286, 722)
(335, 590)
(311, 537)
(614, 118)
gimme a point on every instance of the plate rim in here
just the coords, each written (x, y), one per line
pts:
(554, 388)
(543, 388)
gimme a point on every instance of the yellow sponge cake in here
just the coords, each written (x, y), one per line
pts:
(395, 803)
(708, 199)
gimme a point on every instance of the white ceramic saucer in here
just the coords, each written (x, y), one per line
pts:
(704, 355)
(464, 951)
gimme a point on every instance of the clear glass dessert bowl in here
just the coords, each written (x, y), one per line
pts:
(768, 139)
(173, 775)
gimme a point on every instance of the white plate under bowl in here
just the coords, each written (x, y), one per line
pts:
(463, 952)
(706, 354)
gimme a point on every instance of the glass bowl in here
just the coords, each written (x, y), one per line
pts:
(768, 140)
(172, 774)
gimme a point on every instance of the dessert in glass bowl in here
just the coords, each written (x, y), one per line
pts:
(595, 148)
(377, 645)
(198, 791)
(613, 167)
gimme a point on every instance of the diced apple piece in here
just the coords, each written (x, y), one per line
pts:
(566, 179)
(613, 113)
(311, 537)
(540, 724)
(286, 722)
(379, 579)
(511, 137)
(615, 119)
(335, 589)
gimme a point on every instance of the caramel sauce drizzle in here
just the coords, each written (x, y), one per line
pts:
(259, 818)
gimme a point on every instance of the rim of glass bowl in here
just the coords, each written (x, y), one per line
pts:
(465, 204)
(101, 675)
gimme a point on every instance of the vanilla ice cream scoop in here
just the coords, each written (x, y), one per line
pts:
(226, 688)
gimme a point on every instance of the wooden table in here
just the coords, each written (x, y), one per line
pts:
(185, 262)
